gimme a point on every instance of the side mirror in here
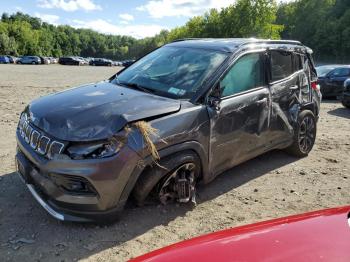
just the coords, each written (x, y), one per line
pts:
(214, 102)
(214, 98)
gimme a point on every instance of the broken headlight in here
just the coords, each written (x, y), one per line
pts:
(94, 150)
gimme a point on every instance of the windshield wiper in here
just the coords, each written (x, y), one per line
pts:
(137, 86)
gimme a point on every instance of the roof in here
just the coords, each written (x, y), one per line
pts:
(227, 44)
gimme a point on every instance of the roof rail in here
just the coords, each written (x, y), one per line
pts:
(248, 40)
(268, 41)
(184, 39)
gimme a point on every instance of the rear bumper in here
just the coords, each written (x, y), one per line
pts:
(108, 178)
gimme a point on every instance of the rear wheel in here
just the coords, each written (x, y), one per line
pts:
(305, 135)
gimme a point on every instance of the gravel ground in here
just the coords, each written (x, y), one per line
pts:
(272, 185)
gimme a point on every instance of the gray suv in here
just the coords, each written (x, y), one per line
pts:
(34, 60)
(179, 116)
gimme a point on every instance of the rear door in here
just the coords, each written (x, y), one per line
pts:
(287, 85)
(238, 127)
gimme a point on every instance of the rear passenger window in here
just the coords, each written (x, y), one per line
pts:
(245, 74)
(281, 65)
(298, 64)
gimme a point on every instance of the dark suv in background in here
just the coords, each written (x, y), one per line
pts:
(331, 79)
(181, 115)
(70, 61)
(100, 62)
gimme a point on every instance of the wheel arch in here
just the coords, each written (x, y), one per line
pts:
(190, 146)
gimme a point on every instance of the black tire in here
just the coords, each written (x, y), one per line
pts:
(19, 63)
(153, 175)
(345, 104)
(305, 135)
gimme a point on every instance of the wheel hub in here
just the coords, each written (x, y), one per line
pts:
(179, 185)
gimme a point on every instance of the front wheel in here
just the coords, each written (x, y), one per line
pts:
(305, 135)
(173, 180)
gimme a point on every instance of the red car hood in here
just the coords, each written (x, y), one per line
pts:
(316, 236)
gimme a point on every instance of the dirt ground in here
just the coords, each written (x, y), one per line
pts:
(270, 186)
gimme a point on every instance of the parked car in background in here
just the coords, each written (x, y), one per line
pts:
(34, 60)
(218, 103)
(331, 79)
(101, 62)
(44, 60)
(345, 98)
(53, 60)
(4, 59)
(12, 59)
(70, 60)
(127, 63)
(82, 60)
(117, 63)
(316, 236)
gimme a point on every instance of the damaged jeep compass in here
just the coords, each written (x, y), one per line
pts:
(179, 116)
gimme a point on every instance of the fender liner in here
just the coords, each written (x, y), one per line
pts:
(189, 145)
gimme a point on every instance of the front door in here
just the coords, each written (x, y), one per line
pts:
(239, 124)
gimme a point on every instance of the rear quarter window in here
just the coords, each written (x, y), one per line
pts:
(281, 65)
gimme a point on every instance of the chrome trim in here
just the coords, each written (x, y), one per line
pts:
(39, 144)
(28, 134)
(44, 204)
(23, 130)
(32, 144)
(59, 152)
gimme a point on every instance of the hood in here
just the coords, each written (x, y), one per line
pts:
(95, 111)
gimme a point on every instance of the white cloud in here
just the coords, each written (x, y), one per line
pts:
(51, 19)
(69, 5)
(19, 8)
(186, 8)
(126, 17)
(102, 26)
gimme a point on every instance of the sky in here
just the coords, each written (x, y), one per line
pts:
(139, 19)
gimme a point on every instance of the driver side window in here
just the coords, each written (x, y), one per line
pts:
(247, 73)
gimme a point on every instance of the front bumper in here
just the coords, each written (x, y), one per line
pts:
(109, 178)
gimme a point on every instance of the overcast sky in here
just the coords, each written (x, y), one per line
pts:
(125, 17)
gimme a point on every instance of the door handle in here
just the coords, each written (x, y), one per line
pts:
(295, 87)
(261, 101)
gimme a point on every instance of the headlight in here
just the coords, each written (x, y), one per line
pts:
(94, 150)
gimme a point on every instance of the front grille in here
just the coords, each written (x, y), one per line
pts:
(40, 142)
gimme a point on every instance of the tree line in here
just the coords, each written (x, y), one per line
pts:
(321, 24)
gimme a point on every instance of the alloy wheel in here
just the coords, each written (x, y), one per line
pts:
(306, 134)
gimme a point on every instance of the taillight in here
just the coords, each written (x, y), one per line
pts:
(315, 86)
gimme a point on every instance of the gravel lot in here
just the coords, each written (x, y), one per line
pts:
(270, 186)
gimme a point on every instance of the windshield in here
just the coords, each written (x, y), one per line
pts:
(172, 71)
(324, 70)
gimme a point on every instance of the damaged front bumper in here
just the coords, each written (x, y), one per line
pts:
(52, 183)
